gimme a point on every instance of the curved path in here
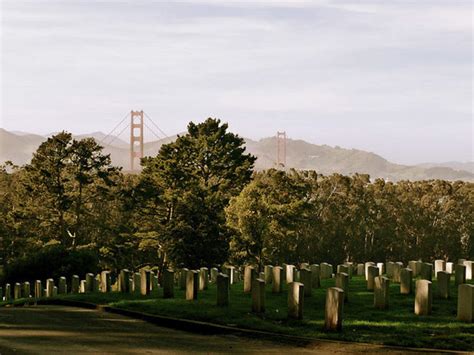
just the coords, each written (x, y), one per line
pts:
(67, 330)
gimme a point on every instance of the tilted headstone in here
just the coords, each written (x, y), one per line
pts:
(214, 273)
(439, 265)
(443, 279)
(423, 297)
(466, 303)
(450, 267)
(372, 272)
(315, 272)
(192, 285)
(278, 275)
(203, 278)
(381, 292)
(258, 295)
(249, 275)
(406, 281)
(268, 270)
(49, 287)
(168, 283)
(17, 291)
(26, 291)
(469, 269)
(426, 271)
(62, 286)
(342, 282)
(306, 279)
(38, 289)
(334, 308)
(105, 282)
(295, 300)
(223, 286)
(75, 283)
(367, 265)
(145, 282)
(460, 274)
(90, 282)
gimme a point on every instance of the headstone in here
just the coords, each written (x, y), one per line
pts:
(38, 289)
(406, 281)
(412, 264)
(214, 273)
(258, 296)
(62, 286)
(268, 270)
(342, 282)
(231, 272)
(460, 274)
(290, 270)
(443, 279)
(350, 265)
(83, 286)
(397, 268)
(423, 297)
(223, 286)
(439, 265)
(450, 267)
(55, 291)
(124, 284)
(381, 292)
(372, 272)
(389, 266)
(325, 271)
(315, 282)
(381, 267)
(295, 300)
(90, 282)
(249, 275)
(342, 268)
(203, 278)
(137, 282)
(168, 283)
(367, 264)
(145, 282)
(306, 279)
(183, 275)
(75, 282)
(461, 261)
(105, 282)
(49, 287)
(426, 271)
(17, 291)
(8, 292)
(469, 269)
(26, 292)
(277, 279)
(360, 270)
(466, 303)
(192, 285)
(304, 266)
(334, 308)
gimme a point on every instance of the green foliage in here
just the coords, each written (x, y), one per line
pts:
(185, 188)
(301, 216)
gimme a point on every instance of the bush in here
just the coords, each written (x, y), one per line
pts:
(51, 262)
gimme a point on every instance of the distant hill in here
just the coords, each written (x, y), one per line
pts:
(300, 155)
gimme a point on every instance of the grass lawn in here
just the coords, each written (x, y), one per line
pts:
(362, 323)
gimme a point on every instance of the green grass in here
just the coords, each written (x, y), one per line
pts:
(362, 323)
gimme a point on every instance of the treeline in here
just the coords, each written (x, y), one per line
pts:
(199, 203)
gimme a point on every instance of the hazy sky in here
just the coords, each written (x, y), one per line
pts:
(391, 77)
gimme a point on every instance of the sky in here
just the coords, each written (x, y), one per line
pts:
(391, 77)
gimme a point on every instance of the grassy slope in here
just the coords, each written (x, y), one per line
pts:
(362, 323)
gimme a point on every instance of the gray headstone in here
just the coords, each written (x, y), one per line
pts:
(443, 279)
(258, 295)
(223, 287)
(168, 283)
(334, 308)
(295, 300)
(466, 303)
(278, 276)
(381, 292)
(423, 297)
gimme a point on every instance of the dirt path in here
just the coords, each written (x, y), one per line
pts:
(67, 330)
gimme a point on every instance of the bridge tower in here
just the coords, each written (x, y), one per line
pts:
(281, 150)
(136, 138)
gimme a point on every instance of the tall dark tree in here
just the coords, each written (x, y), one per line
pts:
(196, 176)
